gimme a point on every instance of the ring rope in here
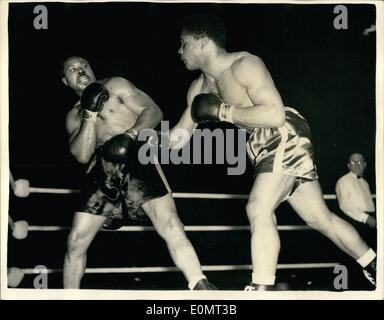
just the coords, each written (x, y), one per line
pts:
(180, 195)
(175, 269)
(186, 228)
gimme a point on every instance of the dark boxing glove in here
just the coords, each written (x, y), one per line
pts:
(92, 99)
(120, 148)
(209, 107)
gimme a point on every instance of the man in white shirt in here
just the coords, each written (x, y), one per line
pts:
(353, 193)
(355, 200)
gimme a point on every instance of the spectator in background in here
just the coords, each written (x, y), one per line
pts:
(355, 198)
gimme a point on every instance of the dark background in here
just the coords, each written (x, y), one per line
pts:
(328, 75)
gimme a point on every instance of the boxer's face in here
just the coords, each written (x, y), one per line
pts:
(77, 73)
(190, 51)
(357, 164)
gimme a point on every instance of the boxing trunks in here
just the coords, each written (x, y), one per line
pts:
(285, 150)
(113, 190)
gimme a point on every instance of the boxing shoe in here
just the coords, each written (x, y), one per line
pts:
(204, 284)
(259, 287)
(370, 272)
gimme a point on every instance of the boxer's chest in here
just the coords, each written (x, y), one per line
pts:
(228, 88)
(114, 118)
(231, 91)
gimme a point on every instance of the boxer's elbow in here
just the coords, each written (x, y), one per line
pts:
(158, 114)
(154, 115)
(277, 117)
(80, 155)
(279, 122)
(83, 159)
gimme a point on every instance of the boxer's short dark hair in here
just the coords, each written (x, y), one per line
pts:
(204, 25)
(62, 64)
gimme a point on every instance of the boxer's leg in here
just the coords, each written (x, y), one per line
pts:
(308, 202)
(163, 214)
(85, 227)
(268, 191)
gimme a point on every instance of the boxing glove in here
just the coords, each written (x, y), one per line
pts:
(120, 148)
(92, 99)
(209, 107)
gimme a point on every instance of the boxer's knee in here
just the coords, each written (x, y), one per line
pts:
(259, 212)
(77, 243)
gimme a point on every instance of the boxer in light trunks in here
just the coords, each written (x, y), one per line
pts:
(236, 87)
(103, 127)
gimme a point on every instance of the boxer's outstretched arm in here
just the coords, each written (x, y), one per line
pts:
(82, 135)
(267, 110)
(180, 134)
(149, 114)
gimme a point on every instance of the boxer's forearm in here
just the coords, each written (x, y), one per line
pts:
(83, 144)
(149, 118)
(260, 116)
(179, 137)
(180, 134)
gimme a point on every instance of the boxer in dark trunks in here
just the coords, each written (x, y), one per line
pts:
(236, 87)
(103, 128)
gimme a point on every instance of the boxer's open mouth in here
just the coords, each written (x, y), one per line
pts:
(84, 79)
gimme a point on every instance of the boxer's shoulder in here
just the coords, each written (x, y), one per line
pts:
(115, 83)
(196, 87)
(244, 57)
(246, 63)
